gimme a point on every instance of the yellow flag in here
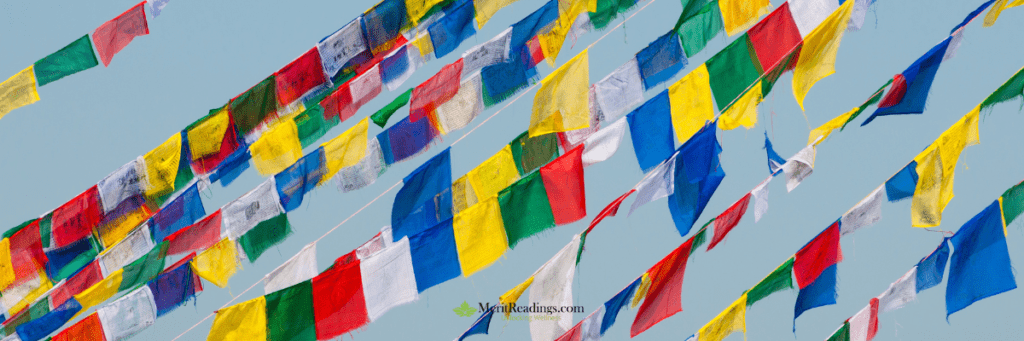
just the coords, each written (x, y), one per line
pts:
(18, 91)
(691, 102)
(552, 41)
(733, 318)
(206, 137)
(485, 9)
(494, 174)
(218, 263)
(818, 56)
(743, 112)
(162, 166)
(641, 291)
(924, 208)
(463, 195)
(951, 144)
(739, 15)
(118, 228)
(512, 295)
(345, 150)
(479, 236)
(100, 292)
(997, 8)
(418, 8)
(246, 321)
(423, 43)
(7, 275)
(819, 134)
(277, 149)
(562, 103)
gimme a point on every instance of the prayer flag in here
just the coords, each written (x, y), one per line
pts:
(175, 286)
(650, 127)
(244, 213)
(183, 211)
(88, 328)
(601, 145)
(739, 15)
(198, 236)
(383, 23)
(481, 325)
(455, 26)
(426, 188)
(461, 109)
(265, 235)
(532, 153)
(775, 37)
(692, 104)
(388, 279)
(980, 265)
(341, 46)
(345, 150)
(864, 325)
(616, 303)
(563, 183)
(70, 59)
(218, 263)
(743, 112)
(561, 104)
(867, 212)
(494, 174)
(485, 9)
(819, 293)
(290, 313)
(128, 315)
(349, 97)
(780, 279)
(525, 209)
(815, 257)
(899, 293)
(553, 287)
(661, 60)
(254, 106)
(698, 174)
(726, 221)
(115, 34)
(818, 55)
(246, 321)
(435, 91)
(733, 71)
(338, 303)
(909, 90)
(299, 77)
(435, 257)
(664, 296)
(301, 267)
(697, 30)
(728, 321)
(277, 149)
(75, 219)
(18, 91)
(100, 292)
(931, 268)
(657, 184)
(480, 236)
(619, 91)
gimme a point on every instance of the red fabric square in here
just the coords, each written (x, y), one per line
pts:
(873, 319)
(435, 91)
(897, 90)
(27, 252)
(775, 37)
(87, 277)
(342, 104)
(563, 180)
(338, 303)
(299, 76)
(199, 236)
(609, 211)
(210, 162)
(728, 219)
(115, 34)
(88, 329)
(819, 254)
(664, 298)
(75, 219)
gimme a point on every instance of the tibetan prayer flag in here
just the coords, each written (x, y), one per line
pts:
(661, 60)
(87, 329)
(926, 209)
(83, 279)
(435, 257)
(733, 71)
(726, 221)
(485, 9)
(460, 110)
(818, 55)
(867, 212)
(7, 275)
(531, 25)
(899, 293)
(162, 164)
(426, 188)
(614, 305)
(100, 292)
(254, 106)
(618, 92)
(819, 134)
(493, 51)
(980, 265)
(1012, 203)
(603, 144)
(664, 296)
(418, 9)
(602, 12)
(512, 295)
(931, 268)
(290, 313)
(298, 77)
(819, 293)
(246, 321)
(775, 162)
(341, 46)
(301, 267)
(407, 139)
(481, 325)
(259, 204)
(479, 235)
(218, 263)
(65, 261)
(338, 303)
(738, 15)
(128, 315)
(70, 59)
(18, 91)
(692, 104)
(742, 112)
(75, 219)
(300, 178)
(397, 67)
(775, 37)
(562, 103)
(265, 235)
(657, 184)
(206, 137)
(382, 23)
(909, 90)
(815, 257)
(532, 153)
(1012, 88)
(502, 80)
(388, 279)
(799, 167)
(122, 220)
(697, 30)
(39, 328)
(810, 14)
(115, 34)
(183, 211)
(698, 173)
(349, 97)
(551, 41)
(730, 320)
(553, 287)
(198, 236)
(346, 149)
(173, 287)
(780, 279)
(997, 8)
(144, 269)
(902, 184)
(525, 209)
(563, 182)
(126, 251)
(380, 118)
(27, 253)
(456, 25)
(864, 325)
(650, 127)
(277, 149)
(435, 91)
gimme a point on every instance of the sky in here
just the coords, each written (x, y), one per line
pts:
(201, 53)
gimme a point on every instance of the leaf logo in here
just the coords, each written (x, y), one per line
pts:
(464, 310)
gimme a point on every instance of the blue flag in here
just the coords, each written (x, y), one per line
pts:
(435, 257)
(980, 266)
(425, 198)
(775, 161)
(931, 268)
(909, 90)
(698, 173)
(183, 211)
(481, 325)
(820, 293)
(614, 305)
(650, 127)
(300, 178)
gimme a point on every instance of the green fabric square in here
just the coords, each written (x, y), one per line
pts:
(778, 280)
(255, 105)
(380, 118)
(695, 32)
(532, 153)
(144, 269)
(1013, 203)
(525, 209)
(843, 334)
(312, 125)
(265, 235)
(45, 225)
(607, 10)
(290, 313)
(70, 59)
(1011, 89)
(732, 71)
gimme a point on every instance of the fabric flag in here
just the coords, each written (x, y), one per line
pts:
(760, 196)
(491, 52)
(661, 60)
(346, 149)
(512, 295)
(726, 221)
(435, 91)
(980, 265)
(7, 274)
(265, 235)
(820, 293)
(276, 149)
(551, 42)
(341, 46)
(83, 279)
(128, 315)
(38, 329)
(525, 209)
(406, 139)
(100, 292)
(997, 8)
(298, 77)
(162, 165)
(698, 174)
(799, 167)
(70, 59)
(587, 330)
(618, 92)
(294, 182)
(480, 236)
(366, 171)
(388, 279)
(145, 268)
(118, 223)
(819, 253)
(931, 268)
(349, 97)
(63, 262)
(435, 257)
(88, 328)
(780, 279)
(458, 111)
(254, 106)
(810, 14)
(494, 174)
(864, 325)
(775, 161)
(564, 184)
(867, 212)
(609, 211)
(530, 154)
(604, 143)
(692, 104)
(338, 303)
(901, 292)
(175, 286)
(743, 112)
(206, 137)
(1012, 88)
(818, 55)
(936, 166)
(554, 288)
(482, 323)
(651, 130)
(909, 90)
(136, 245)
(183, 211)
(739, 15)
(244, 213)
(380, 118)
(728, 321)
(397, 67)
(383, 22)
(819, 134)
(244, 321)
(733, 71)
(115, 34)
(561, 104)
(664, 296)
(218, 263)
(697, 29)
(901, 185)
(775, 37)
(614, 305)
(75, 219)
(425, 194)
(27, 250)
(457, 24)
(199, 236)
(301, 267)
(290, 313)
(657, 184)
(18, 91)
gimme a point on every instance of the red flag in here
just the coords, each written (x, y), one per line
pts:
(819, 254)
(27, 252)
(609, 211)
(199, 236)
(85, 278)
(115, 34)
(873, 321)
(88, 329)
(299, 76)
(563, 180)
(75, 219)
(896, 92)
(435, 91)
(664, 298)
(338, 303)
(775, 37)
(728, 219)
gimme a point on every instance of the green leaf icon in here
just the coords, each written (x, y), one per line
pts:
(464, 310)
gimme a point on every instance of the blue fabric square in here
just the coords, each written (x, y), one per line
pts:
(820, 293)
(931, 268)
(300, 178)
(183, 211)
(650, 127)
(919, 77)
(502, 80)
(456, 25)
(232, 166)
(902, 185)
(661, 60)
(525, 29)
(422, 189)
(41, 327)
(394, 66)
(980, 266)
(435, 258)
(408, 138)
(383, 22)
(614, 305)
(698, 173)
(57, 259)
(775, 161)
(172, 288)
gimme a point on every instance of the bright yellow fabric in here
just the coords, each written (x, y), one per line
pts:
(951, 143)
(117, 229)
(463, 195)
(289, 113)
(973, 137)
(739, 15)
(818, 55)
(562, 103)
(485, 9)
(819, 134)
(512, 296)
(18, 91)
(691, 102)
(206, 137)
(277, 149)
(494, 174)
(423, 43)
(552, 41)
(218, 263)
(924, 208)
(1001, 216)
(418, 8)
(100, 292)
(345, 150)
(728, 321)
(997, 8)
(246, 321)
(744, 111)
(31, 296)
(7, 275)
(162, 166)
(641, 292)
(479, 236)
